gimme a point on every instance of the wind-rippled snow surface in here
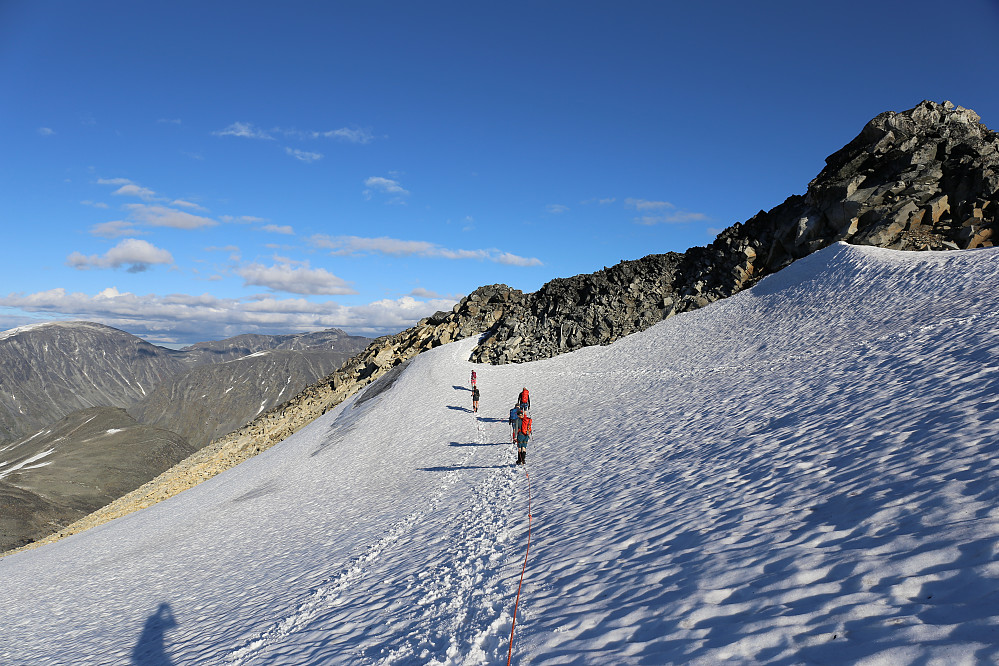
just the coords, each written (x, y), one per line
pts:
(805, 473)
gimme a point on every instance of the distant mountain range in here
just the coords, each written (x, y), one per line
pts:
(89, 412)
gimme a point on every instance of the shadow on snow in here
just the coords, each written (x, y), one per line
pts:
(150, 649)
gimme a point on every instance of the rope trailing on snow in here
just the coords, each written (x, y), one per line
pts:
(513, 626)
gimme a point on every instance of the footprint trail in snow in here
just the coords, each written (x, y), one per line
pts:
(455, 611)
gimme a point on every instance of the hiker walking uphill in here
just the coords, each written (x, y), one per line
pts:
(475, 399)
(524, 431)
(525, 399)
(474, 377)
(514, 422)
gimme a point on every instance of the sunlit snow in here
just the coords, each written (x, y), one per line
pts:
(806, 472)
(27, 463)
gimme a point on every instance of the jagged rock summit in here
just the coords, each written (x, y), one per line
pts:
(924, 179)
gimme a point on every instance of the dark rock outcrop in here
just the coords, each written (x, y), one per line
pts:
(925, 179)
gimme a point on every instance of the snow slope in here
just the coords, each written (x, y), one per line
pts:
(805, 473)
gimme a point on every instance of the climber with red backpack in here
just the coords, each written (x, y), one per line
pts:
(514, 422)
(524, 432)
(525, 399)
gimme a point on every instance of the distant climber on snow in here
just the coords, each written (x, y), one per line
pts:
(525, 399)
(473, 378)
(475, 399)
(524, 431)
(514, 422)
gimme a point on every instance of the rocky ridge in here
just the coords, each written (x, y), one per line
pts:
(924, 179)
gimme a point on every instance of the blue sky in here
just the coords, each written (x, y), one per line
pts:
(188, 171)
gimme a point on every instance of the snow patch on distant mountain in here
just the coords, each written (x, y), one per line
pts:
(27, 463)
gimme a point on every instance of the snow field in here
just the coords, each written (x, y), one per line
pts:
(806, 472)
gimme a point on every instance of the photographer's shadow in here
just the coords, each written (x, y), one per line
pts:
(150, 650)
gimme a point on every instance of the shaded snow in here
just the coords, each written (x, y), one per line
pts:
(806, 472)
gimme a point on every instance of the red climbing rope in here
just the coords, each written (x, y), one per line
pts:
(517, 603)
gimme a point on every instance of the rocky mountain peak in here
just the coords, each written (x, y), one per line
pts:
(925, 178)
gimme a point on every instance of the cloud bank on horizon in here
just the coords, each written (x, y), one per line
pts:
(284, 171)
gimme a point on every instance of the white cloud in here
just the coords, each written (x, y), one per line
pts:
(244, 130)
(185, 319)
(644, 204)
(163, 216)
(420, 292)
(349, 135)
(384, 185)
(345, 134)
(224, 248)
(46, 131)
(295, 280)
(557, 209)
(138, 255)
(303, 155)
(346, 245)
(133, 190)
(291, 262)
(662, 212)
(514, 260)
(276, 229)
(352, 245)
(242, 219)
(679, 217)
(95, 204)
(115, 229)
(235, 254)
(187, 204)
(250, 131)
(127, 188)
